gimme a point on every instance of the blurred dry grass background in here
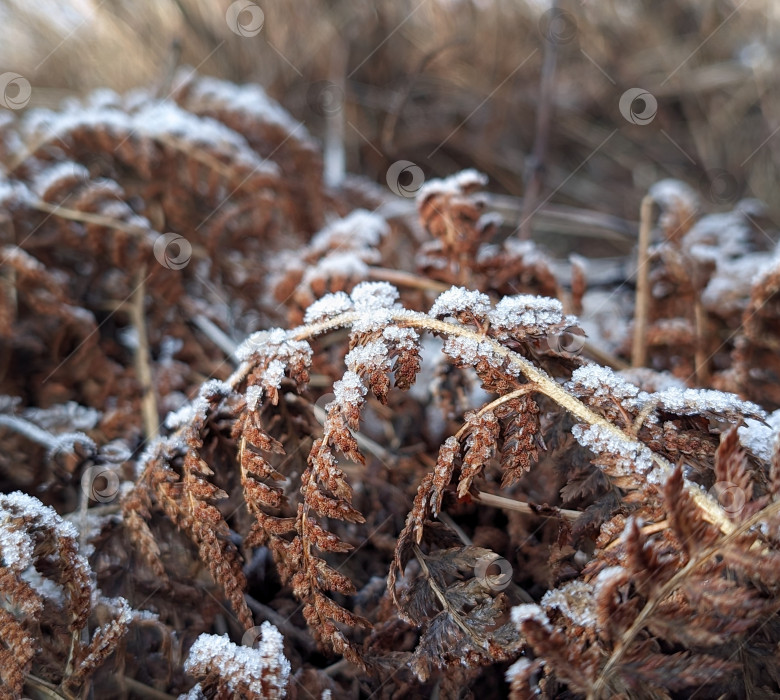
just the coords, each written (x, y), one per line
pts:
(455, 83)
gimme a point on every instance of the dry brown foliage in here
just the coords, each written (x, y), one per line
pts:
(247, 422)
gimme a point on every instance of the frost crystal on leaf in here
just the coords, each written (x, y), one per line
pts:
(453, 185)
(530, 611)
(632, 457)
(359, 229)
(688, 402)
(369, 356)
(575, 600)
(759, 438)
(349, 390)
(370, 296)
(274, 374)
(16, 547)
(260, 342)
(470, 351)
(671, 193)
(457, 299)
(263, 671)
(532, 315)
(403, 338)
(329, 306)
(254, 395)
(596, 380)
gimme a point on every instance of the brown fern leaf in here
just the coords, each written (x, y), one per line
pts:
(691, 529)
(674, 671)
(645, 559)
(733, 480)
(482, 429)
(33, 536)
(16, 652)
(521, 436)
(188, 499)
(458, 609)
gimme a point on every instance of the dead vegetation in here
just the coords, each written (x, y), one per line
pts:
(266, 437)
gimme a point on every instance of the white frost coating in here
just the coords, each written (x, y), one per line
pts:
(760, 438)
(275, 344)
(359, 229)
(254, 395)
(530, 611)
(533, 314)
(634, 457)
(44, 587)
(595, 380)
(16, 547)
(371, 356)
(213, 388)
(196, 409)
(274, 373)
(327, 307)
(649, 380)
(264, 669)
(672, 193)
(370, 296)
(728, 289)
(195, 693)
(349, 390)
(249, 98)
(64, 169)
(606, 576)
(469, 352)
(518, 668)
(457, 299)
(452, 185)
(686, 402)
(260, 342)
(342, 263)
(403, 338)
(16, 504)
(574, 600)
(70, 415)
